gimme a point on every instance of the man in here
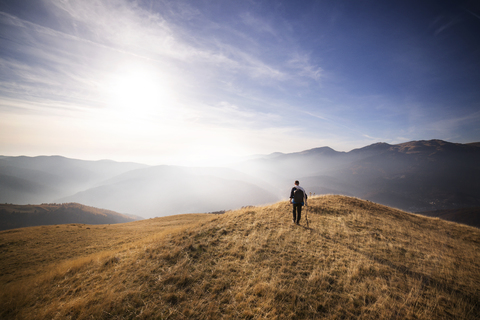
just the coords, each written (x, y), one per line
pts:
(298, 197)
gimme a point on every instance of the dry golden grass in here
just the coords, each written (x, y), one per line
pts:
(357, 260)
(26, 252)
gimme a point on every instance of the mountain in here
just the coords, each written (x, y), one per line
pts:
(165, 190)
(354, 259)
(413, 176)
(25, 180)
(20, 216)
(420, 175)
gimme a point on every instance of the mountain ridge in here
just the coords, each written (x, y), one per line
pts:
(415, 176)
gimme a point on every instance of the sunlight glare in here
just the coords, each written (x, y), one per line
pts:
(139, 92)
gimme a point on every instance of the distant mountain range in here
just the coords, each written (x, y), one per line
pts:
(166, 190)
(41, 179)
(413, 176)
(20, 216)
(147, 191)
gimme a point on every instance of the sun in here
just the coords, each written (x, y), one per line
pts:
(139, 91)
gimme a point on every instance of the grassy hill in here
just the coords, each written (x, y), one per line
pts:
(20, 216)
(355, 260)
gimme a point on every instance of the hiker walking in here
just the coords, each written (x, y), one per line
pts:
(298, 197)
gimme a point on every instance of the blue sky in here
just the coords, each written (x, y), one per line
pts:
(199, 82)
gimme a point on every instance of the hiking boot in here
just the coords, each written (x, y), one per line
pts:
(293, 221)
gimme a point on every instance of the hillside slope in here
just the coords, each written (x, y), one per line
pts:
(356, 260)
(20, 216)
(27, 254)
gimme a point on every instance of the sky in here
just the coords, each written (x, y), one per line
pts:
(202, 82)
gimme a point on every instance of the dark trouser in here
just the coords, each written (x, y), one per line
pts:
(297, 212)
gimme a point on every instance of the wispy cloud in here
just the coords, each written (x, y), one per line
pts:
(472, 13)
(97, 33)
(262, 73)
(448, 126)
(257, 24)
(442, 23)
(305, 67)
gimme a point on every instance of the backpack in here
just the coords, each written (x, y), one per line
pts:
(298, 196)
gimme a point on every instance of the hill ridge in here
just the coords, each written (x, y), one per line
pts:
(355, 260)
(21, 216)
